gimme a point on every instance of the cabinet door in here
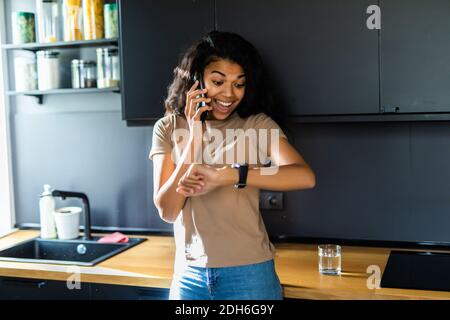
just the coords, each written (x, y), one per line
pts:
(40, 289)
(415, 55)
(118, 292)
(153, 35)
(323, 57)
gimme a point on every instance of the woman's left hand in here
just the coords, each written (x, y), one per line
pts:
(199, 179)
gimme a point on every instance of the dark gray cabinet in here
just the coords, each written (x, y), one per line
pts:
(415, 55)
(41, 289)
(323, 59)
(114, 292)
(322, 55)
(153, 35)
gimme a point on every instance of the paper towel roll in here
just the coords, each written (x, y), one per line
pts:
(67, 221)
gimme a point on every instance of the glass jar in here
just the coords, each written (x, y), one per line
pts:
(48, 70)
(73, 20)
(25, 72)
(23, 28)
(111, 21)
(47, 20)
(83, 74)
(108, 69)
(93, 19)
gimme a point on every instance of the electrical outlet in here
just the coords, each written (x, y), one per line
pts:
(270, 200)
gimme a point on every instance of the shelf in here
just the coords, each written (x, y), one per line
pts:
(329, 119)
(40, 93)
(380, 117)
(62, 45)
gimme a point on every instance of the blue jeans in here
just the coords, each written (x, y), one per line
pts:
(248, 282)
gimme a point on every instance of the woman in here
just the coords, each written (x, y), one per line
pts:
(207, 175)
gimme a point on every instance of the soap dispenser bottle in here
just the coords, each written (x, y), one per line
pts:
(47, 207)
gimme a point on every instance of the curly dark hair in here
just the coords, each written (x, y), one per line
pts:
(217, 45)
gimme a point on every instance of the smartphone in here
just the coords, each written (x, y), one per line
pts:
(201, 84)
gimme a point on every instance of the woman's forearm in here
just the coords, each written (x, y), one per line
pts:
(282, 178)
(168, 201)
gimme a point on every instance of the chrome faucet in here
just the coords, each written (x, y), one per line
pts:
(87, 210)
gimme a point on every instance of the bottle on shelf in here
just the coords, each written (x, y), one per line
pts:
(108, 69)
(25, 72)
(111, 20)
(83, 74)
(93, 19)
(73, 20)
(48, 20)
(47, 207)
(48, 70)
(23, 27)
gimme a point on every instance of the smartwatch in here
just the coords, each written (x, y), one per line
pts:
(243, 171)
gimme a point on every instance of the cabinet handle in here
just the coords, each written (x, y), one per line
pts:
(25, 282)
(390, 109)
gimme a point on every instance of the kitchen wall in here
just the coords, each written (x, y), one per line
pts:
(80, 143)
(375, 181)
(381, 181)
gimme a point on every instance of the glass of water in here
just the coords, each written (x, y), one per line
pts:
(330, 259)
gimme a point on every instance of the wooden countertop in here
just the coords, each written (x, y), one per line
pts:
(150, 264)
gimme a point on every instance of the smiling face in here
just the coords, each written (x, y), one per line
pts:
(225, 81)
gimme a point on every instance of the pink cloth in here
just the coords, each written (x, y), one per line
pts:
(116, 237)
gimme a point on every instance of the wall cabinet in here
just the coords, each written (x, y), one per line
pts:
(322, 55)
(154, 33)
(415, 55)
(325, 61)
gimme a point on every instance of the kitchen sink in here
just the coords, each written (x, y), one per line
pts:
(69, 252)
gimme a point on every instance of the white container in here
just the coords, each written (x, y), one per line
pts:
(48, 19)
(48, 70)
(25, 73)
(47, 208)
(108, 68)
(67, 222)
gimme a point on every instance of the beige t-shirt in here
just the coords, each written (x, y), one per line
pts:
(223, 227)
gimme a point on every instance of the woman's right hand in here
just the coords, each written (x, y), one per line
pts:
(193, 98)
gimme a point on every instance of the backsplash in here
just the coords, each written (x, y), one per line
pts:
(375, 181)
(91, 152)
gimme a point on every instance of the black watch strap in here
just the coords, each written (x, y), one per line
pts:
(243, 172)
